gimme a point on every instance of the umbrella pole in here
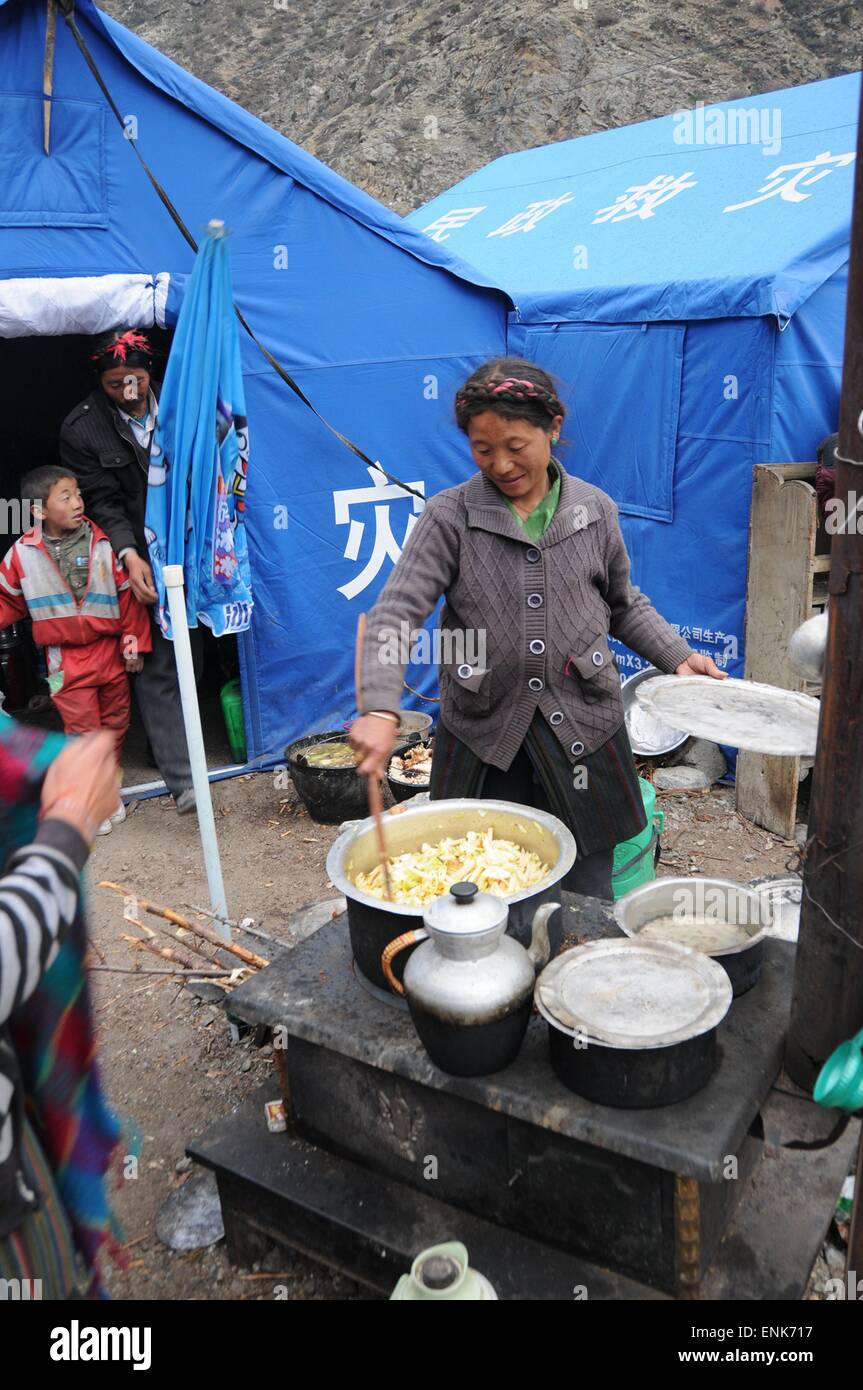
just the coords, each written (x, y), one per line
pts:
(173, 576)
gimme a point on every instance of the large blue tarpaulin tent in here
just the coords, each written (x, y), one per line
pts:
(685, 278)
(377, 324)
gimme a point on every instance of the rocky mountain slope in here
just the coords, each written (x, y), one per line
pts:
(404, 99)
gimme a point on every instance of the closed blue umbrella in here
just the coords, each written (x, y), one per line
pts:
(196, 500)
(196, 496)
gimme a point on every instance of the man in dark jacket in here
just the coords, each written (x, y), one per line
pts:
(107, 442)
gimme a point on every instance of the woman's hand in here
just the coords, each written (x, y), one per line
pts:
(700, 664)
(373, 739)
(82, 785)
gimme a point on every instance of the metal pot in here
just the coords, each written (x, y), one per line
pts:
(633, 1024)
(807, 646)
(703, 897)
(469, 987)
(404, 790)
(374, 923)
(783, 894)
(330, 794)
(649, 737)
(414, 727)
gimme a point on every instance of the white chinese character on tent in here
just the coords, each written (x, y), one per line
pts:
(440, 229)
(526, 220)
(385, 544)
(807, 172)
(641, 199)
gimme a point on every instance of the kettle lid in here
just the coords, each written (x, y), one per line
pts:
(464, 910)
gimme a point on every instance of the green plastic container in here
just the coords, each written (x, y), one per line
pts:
(635, 860)
(232, 709)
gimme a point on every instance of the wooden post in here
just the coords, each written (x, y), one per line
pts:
(827, 1004)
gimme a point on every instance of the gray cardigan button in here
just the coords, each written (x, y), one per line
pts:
(597, 658)
(531, 556)
(537, 647)
(577, 748)
(534, 600)
(465, 671)
(556, 718)
(536, 684)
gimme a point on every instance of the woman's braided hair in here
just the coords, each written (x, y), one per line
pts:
(511, 387)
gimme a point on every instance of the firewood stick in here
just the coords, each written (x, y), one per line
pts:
(218, 977)
(141, 944)
(144, 928)
(247, 957)
(235, 926)
(138, 970)
(166, 931)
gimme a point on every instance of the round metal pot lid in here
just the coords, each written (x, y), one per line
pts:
(744, 714)
(633, 994)
(464, 911)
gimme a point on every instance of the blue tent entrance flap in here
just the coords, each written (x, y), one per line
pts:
(737, 209)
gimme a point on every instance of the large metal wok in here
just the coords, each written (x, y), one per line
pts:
(373, 923)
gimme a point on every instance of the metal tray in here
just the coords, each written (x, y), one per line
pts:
(633, 994)
(744, 714)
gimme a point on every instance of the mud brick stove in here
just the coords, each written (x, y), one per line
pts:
(554, 1196)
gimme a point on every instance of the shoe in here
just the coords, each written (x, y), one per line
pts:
(119, 815)
(185, 802)
(105, 828)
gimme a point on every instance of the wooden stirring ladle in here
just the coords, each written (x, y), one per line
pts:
(376, 805)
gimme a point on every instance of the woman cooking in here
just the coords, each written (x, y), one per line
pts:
(535, 575)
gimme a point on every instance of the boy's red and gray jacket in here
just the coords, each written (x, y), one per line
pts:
(31, 583)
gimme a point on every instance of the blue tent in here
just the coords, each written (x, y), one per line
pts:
(686, 279)
(376, 323)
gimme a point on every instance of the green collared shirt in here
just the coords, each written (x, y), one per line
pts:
(542, 516)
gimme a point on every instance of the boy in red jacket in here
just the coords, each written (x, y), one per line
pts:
(64, 574)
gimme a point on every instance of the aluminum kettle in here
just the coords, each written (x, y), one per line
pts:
(469, 986)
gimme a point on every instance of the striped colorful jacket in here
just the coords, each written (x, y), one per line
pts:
(31, 584)
(38, 901)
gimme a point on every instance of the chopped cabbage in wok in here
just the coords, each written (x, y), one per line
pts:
(495, 866)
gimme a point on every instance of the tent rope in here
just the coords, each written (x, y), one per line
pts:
(67, 8)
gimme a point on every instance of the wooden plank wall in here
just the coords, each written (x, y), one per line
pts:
(783, 538)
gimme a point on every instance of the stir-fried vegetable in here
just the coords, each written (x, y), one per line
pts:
(495, 866)
(414, 765)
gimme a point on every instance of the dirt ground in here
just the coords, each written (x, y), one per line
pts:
(170, 1064)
